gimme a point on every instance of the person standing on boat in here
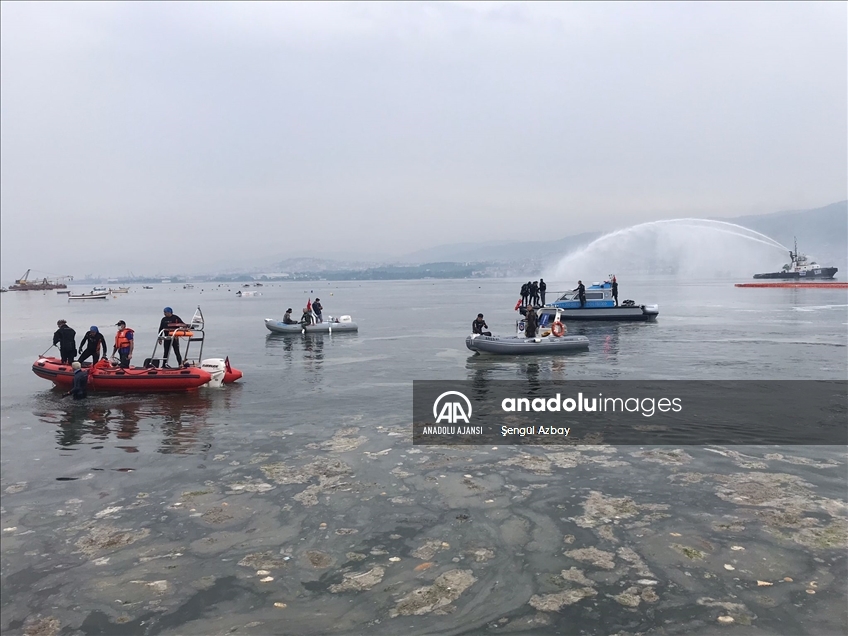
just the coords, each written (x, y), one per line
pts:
(124, 343)
(534, 293)
(80, 386)
(524, 292)
(65, 337)
(615, 290)
(542, 289)
(96, 345)
(531, 323)
(287, 319)
(581, 292)
(166, 327)
(317, 308)
(478, 325)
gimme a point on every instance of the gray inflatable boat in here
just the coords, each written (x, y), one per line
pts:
(342, 324)
(517, 346)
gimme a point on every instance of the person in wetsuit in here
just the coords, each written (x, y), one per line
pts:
(542, 288)
(307, 318)
(615, 290)
(478, 325)
(93, 345)
(80, 386)
(524, 293)
(287, 319)
(534, 293)
(65, 337)
(531, 323)
(168, 324)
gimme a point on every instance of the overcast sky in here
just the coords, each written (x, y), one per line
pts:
(153, 137)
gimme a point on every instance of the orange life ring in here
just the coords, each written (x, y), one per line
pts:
(557, 329)
(182, 334)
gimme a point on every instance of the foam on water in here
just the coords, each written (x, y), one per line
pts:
(692, 248)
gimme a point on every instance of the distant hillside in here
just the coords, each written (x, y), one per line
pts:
(822, 232)
(502, 251)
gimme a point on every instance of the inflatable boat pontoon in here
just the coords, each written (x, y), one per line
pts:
(335, 325)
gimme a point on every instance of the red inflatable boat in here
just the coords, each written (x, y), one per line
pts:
(114, 378)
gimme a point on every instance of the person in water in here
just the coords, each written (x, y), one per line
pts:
(615, 290)
(581, 293)
(307, 318)
(542, 288)
(531, 323)
(93, 345)
(478, 325)
(167, 327)
(124, 343)
(317, 308)
(65, 337)
(287, 319)
(80, 386)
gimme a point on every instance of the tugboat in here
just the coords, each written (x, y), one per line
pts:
(599, 305)
(800, 268)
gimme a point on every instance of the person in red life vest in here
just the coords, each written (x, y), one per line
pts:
(95, 347)
(167, 326)
(124, 343)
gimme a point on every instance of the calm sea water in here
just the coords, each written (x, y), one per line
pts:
(163, 514)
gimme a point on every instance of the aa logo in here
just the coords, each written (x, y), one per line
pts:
(452, 411)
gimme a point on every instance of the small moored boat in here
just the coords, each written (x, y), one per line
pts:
(95, 295)
(331, 325)
(514, 345)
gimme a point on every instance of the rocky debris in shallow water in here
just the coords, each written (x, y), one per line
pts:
(674, 457)
(355, 556)
(343, 441)
(251, 486)
(481, 554)
(649, 595)
(553, 602)
(309, 496)
(358, 581)
(576, 575)
(101, 538)
(725, 620)
(343, 531)
(283, 474)
(428, 550)
(538, 465)
(736, 611)
(423, 566)
(833, 535)
(776, 490)
(606, 533)
(216, 515)
(262, 561)
(635, 561)
(47, 626)
(688, 552)
(687, 478)
(160, 587)
(16, 487)
(600, 509)
(568, 539)
(445, 590)
(319, 560)
(592, 555)
(629, 597)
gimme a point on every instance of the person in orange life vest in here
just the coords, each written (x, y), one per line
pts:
(167, 325)
(124, 343)
(96, 345)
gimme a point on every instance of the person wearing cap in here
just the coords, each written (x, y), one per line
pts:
(317, 308)
(167, 326)
(124, 343)
(93, 345)
(287, 319)
(478, 325)
(65, 337)
(80, 386)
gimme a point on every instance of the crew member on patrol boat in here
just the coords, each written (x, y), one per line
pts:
(166, 328)
(96, 345)
(124, 343)
(581, 292)
(531, 323)
(478, 325)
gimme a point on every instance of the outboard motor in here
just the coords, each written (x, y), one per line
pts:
(218, 368)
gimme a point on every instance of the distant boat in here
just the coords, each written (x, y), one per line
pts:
(100, 289)
(188, 286)
(166, 280)
(147, 287)
(95, 295)
(800, 268)
(120, 290)
(63, 291)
